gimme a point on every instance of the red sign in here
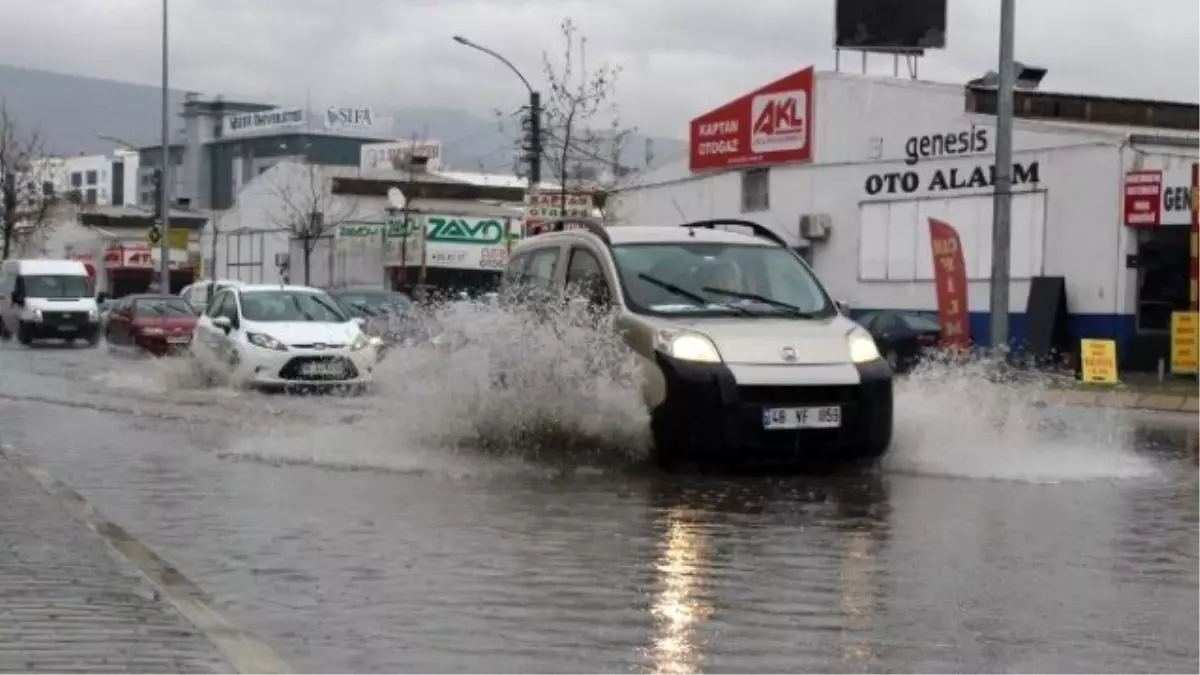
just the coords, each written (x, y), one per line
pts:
(126, 257)
(950, 280)
(771, 125)
(1143, 198)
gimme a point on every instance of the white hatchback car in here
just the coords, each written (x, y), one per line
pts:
(284, 336)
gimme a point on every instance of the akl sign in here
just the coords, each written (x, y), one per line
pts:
(770, 125)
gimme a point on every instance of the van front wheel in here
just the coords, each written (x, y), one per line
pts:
(25, 333)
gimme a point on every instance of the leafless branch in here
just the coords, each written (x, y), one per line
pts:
(29, 202)
(309, 210)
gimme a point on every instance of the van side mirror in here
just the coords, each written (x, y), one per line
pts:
(843, 307)
(101, 297)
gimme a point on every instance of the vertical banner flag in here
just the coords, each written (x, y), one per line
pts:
(1194, 273)
(950, 280)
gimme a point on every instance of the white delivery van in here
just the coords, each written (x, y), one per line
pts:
(47, 299)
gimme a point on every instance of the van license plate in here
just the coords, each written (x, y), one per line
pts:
(823, 417)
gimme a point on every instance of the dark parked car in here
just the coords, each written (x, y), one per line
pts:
(390, 316)
(902, 335)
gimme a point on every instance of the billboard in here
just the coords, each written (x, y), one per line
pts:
(269, 120)
(890, 25)
(397, 154)
(770, 125)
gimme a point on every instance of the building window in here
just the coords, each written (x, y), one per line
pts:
(147, 197)
(48, 188)
(91, 178)
(90, 196)
(756, 190)
(77, 179)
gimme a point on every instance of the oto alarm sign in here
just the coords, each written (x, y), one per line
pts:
(770, 125)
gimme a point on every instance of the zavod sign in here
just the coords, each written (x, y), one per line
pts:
(438, 229)
(918, 148)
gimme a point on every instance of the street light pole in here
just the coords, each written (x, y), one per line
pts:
(165, 193)
(534, 152)
(1002, 197)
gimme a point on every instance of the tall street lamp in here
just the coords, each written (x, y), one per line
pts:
(165, 193)
(1002, 199)
(535, 113)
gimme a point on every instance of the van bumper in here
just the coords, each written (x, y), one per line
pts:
(707, 416)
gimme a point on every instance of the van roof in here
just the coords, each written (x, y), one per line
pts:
(658, 234)
(71, 267)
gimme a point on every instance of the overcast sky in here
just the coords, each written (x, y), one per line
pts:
(681, 57)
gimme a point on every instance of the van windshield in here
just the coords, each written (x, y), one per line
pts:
(719, 279)
(58, 286)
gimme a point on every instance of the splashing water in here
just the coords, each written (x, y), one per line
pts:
(554, 385)
(532, 384)
(968, 418)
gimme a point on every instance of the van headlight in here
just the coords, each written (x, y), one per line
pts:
(93, 314)
(862, 346)
(360, 343)
(688, 346)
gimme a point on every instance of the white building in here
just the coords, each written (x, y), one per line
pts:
(99, 180)
(863, 162)
(362, 239)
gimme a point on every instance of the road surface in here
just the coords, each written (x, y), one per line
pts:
(1011, 539)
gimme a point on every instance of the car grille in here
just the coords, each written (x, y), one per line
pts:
(314, 345)
(294, 369)
(798, 395)
(65, 318)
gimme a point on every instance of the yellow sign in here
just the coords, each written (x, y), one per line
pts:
(1099, 358)
(153, 235)
(179, 238)
(1185, 342)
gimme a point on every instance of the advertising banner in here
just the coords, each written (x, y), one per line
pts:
(385, 156)
(770, 125)
(950, 281)
(277, 118)
(453, 242)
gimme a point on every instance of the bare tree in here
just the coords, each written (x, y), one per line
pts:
(583, 137)
(310, 211)
(28, 199)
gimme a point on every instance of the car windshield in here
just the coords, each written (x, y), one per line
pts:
(57, 286)
(160, 307)
(286, 305)
(374, 301)
(921, 323)
(719, 279)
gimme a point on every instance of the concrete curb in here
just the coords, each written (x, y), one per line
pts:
(1130, 400)
(244, 652)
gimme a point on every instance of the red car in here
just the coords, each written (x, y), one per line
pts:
(156, 324)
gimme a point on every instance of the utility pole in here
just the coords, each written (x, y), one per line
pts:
(165, 193)
(534, 156)
(1002, 198)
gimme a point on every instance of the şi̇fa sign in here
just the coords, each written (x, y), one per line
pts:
(942, 146)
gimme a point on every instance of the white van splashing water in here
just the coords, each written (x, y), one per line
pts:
(956, 418)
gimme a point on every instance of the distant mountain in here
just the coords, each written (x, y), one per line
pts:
(72, 112)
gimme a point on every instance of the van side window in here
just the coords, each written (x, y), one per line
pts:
(515, 269)
(542, 264)
(585, 277)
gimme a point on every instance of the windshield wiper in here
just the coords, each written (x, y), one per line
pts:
(699, 300)
(789, 308)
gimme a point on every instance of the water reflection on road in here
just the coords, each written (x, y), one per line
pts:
(437, 560)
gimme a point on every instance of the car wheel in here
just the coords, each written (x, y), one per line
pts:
(893, 359)
(4, 334)
(25, 334)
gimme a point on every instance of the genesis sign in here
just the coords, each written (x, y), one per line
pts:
(945, 146)
(771, 125)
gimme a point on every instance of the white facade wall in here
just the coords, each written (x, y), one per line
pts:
(877, 256)
(253, 234)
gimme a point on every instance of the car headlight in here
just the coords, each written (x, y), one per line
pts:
(36, 313)
(862, 346)
(439, 340)
(360, 343)
(375, 340)
(688, 347)
(265, 341)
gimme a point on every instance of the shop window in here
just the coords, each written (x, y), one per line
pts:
(1163, 282)
(756, 190)
(91, 177)
(77, 179)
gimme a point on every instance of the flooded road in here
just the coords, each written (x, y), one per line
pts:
(1065, 543)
